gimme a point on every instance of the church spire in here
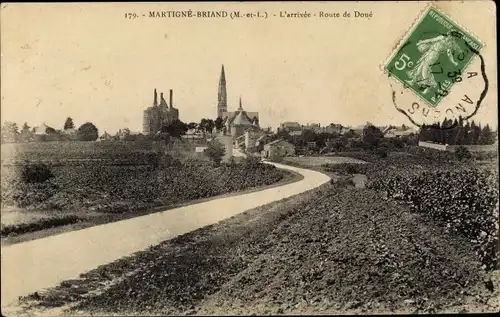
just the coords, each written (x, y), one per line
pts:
(222, 94)
(155, 100)
(240, 107)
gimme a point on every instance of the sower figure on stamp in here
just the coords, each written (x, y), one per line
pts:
(431, 49)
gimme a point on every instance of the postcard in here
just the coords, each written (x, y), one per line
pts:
(239, 158)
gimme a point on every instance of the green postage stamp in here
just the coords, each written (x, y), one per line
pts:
(433, 56)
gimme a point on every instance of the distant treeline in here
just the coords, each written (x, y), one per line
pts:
(456, 132)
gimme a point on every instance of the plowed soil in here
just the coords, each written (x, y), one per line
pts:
(331, 250)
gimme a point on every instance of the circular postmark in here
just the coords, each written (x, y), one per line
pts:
(438, 73)
(460, 94)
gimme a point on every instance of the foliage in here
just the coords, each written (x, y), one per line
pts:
(206, 125)
(356, 144)
(36, 173)
(26, 134)
(462, 153)
(282, 135)
(39, 225)
(175, 129)
(339, 143)
(10, 132)
(88, 132)
(118, 152)
(372, 136)
(431, 155)
(350, 133)
(457, 132)
(345, 168)
(348, 245)
(463, 199)
(215, 151)
(381, 151)
(251, 161)
(117, 189)
(219, 124)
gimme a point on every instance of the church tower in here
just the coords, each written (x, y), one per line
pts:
(222, 96)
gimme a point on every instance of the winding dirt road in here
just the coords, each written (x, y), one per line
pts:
(35, 265)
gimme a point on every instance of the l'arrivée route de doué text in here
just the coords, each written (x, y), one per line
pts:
(241, 14)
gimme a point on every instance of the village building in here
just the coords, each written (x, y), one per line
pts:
(315, 127)
(397, 132)
(335, 128)
(237, 122)
(106, 137)
(249, 141)
(278, 148)
(290, 127)
(41, 132)
(159, 114)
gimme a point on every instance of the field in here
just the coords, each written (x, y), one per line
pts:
(110, 153)
(460, 196)
(332, 250)
(420, 238)
(83, 191)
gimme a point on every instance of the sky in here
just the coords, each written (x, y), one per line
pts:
(88, 62)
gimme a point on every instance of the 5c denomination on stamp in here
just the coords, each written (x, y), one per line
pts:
(437, 63)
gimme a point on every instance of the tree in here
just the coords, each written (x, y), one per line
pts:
(26, 133)
(207, 125)
(215, 151)
(192, 125)
(340, 143)
(322, 137)
(457, 133)
(309, 136)
(350, 133)
(372, 136)
(487, 136)
(219, 124)
(10, 132)
(476, 134)
(467, 134)
(69, 124)
(87, 132)
(282, 135)
(175, 129)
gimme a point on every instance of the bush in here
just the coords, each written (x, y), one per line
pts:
(215, 151)
(344, 182)
(39, 225)
(346, 168)
(162, 160)
(251, 161)
(36, 173)
(88, 132)
(462, 153)
(381, 151)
